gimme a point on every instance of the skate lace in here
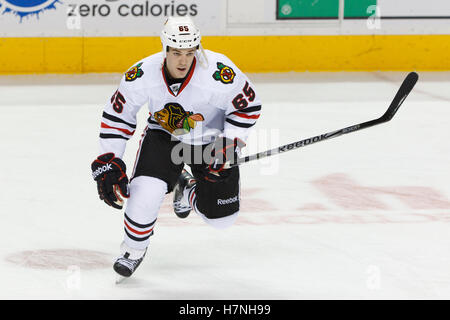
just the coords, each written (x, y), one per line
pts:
(130, 264)
(180, 206)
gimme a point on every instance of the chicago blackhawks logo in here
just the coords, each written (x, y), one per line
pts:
(225, 74)
(134, 73)
(176, 120)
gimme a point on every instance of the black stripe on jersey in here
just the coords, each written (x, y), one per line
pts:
(249, 109)
(116, 119)
(138, 225)
(153, 122)
(149, 120)
(240, 124)
(195, 203)
(136, 238)
(112, 136)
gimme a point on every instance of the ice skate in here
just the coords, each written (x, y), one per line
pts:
(128, 262)
(181, 205)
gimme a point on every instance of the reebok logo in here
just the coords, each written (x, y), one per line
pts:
(100, 170)
(227, 201)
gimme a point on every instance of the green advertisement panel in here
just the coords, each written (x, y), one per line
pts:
(359, 8)
(323, 9)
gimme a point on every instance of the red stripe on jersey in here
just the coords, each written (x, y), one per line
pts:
(188, 77)
(185, 82)
(246, 116)
(138, 152)
(192, 197)
(128, 132)
(135, 231)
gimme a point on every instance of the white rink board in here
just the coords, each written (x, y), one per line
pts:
(414, 8)
(365, 215)
(101, 18)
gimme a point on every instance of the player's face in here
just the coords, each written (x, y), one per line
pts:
(179, 61)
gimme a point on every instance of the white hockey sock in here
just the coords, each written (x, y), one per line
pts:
(146, 196)
(134, 254)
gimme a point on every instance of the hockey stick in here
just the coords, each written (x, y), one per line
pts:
(402, 93)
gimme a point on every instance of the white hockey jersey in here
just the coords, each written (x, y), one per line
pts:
(213, 100)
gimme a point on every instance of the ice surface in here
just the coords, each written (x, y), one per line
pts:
(363, 216)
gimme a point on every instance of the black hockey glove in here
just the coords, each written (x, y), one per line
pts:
(112, 180)
(223, 150)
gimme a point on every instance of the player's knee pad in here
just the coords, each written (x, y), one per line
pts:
(146, 196)
(214, 208)
(220, 199)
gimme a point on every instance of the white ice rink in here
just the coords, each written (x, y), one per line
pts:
(362, 216)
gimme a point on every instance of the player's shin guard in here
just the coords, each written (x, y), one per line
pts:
(137, 235)
(146, 196)
(218, 223)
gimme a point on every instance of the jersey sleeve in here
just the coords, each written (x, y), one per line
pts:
(118, 122)
(243, 107)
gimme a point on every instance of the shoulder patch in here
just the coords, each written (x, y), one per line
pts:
(134, 73)
(225, 74)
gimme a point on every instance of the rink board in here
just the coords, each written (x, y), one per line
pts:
(250, 53)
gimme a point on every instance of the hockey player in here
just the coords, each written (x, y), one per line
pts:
(201, 110)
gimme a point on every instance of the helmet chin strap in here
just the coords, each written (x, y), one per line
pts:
(202, 58)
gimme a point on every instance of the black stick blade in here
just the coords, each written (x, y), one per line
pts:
(404, 90)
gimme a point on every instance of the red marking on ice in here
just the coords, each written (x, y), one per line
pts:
(248, 203)
(257, 209)
(313, 207)
(348, 194)
(369, 218)
(61, 259)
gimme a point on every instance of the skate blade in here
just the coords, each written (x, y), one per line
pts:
(119, 279)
